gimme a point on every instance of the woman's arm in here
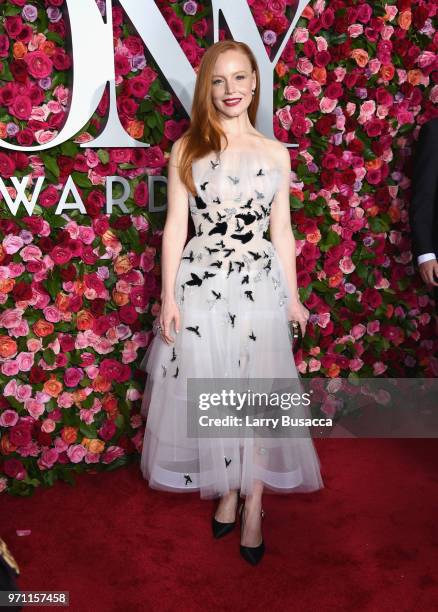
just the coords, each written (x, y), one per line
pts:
(280, 229)
(175, 228)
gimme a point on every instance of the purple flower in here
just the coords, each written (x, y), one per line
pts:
(361, 92)
(190, 7)
(102, 7)
(29, 13)
(45, 83)
(138, 62)
(54, 14)
(350, 288)
(269, 37)
(12, 129)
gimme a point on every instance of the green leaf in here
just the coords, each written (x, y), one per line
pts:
(49, 356)
(50, 163)
(81, 180)
(103, 156)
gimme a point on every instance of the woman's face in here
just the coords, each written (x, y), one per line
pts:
(231, 83)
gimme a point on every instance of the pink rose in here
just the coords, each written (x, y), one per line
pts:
(34, 408)
(12, 244)
(48, 458)
(48, 425)
(52, 314)
(10, 368)
(23, 393)
(8, 418)
(25, 361)
(112, 453)
(76, 453)
(11, 318)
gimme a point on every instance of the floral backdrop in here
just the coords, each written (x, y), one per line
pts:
(78, 293)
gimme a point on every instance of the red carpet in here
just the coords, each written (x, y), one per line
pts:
(368, 541)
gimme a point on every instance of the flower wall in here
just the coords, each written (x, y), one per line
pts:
(78, 293)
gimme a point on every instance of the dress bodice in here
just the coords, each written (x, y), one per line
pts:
(232, 206)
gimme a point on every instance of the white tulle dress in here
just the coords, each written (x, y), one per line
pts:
(231, 291)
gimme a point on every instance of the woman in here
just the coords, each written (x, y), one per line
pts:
(227, 298)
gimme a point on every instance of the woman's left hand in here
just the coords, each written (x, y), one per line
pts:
(298, 312)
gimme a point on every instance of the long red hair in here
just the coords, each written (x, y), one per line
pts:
(204, 133)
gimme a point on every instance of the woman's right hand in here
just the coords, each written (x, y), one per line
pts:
(169, 313)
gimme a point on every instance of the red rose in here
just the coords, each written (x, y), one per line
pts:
(61, 60)
(137, 87)
(37, 375)
(141, 194)
(4, 45)
(60, 255)
(22, 291)
(38, 64)
(128, 314)
(48, 197)
(21, 107)
(25, 137)
(69, 273)
(13, 26)
(7, 165)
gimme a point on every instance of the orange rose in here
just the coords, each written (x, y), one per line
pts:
(110, 239)
(80, 395)
(7, 285)
(336, 279)
(319, 74)
(373, 211)
(394, 213)
(19, 50)
(79, 287)
(281, 69)
(96, 446)
(6, 446)
(308, 13)
(122, 264)
(53, 387)
(84, 320)
(373, 164)
(43, 328)
(101, 384)
(48, 47)
(360, 56)
(314, 237)
(297, 193)
(389, 310)
(69, 434)
(3, 134)
(333, 371)
(120, 298)
(414, 76)
(62, 302)
(405, 20)
(387, 72)
(135, 128)
(8, 347)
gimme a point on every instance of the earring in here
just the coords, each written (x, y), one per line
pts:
(253, 91)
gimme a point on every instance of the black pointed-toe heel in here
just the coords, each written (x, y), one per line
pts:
(222, 529)
(252, 554)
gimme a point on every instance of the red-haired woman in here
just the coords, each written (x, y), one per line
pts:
(227, 298)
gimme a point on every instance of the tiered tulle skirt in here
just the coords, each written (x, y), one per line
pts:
(233, 334)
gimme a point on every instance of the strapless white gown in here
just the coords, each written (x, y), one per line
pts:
(232, 294)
